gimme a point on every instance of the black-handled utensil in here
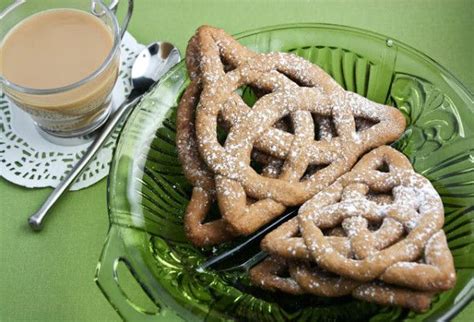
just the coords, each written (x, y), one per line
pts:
(258, 235)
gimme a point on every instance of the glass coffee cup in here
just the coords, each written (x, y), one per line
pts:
(78, 108)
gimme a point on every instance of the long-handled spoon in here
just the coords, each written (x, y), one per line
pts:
(150, 65)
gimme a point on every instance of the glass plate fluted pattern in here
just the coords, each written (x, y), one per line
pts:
(148, 192)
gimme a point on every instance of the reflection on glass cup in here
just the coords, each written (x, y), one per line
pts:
(77, 106)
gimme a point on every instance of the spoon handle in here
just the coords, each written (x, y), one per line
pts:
(36, 220)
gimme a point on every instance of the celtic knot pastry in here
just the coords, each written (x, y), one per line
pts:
(307, 130)
(374, 234)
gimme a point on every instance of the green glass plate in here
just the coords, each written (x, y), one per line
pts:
(147, 192)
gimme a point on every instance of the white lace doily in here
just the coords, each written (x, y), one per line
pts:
(29, 160)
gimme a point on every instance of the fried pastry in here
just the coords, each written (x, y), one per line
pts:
(330, 129)
(388, 250)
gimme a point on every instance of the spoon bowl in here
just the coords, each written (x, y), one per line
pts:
(152, 63)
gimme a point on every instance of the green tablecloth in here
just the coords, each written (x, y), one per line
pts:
(49, 275)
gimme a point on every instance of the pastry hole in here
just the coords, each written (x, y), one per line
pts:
(384, 167)
(284, 273)
(222, 134)
(213, 214)
(250, 94)
(265, 165)
(273, 170)
(260, 157)
(285, 124)
(324, 127)
(312, 169)
(250, 201)
(228, 67)
(374, 226)
(257, 166)
(364, 123)
(298, 234)
(260, 92)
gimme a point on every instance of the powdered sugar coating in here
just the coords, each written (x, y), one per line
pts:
(399, 241)
(292, 88)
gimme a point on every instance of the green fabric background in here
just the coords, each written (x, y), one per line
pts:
(49, 275)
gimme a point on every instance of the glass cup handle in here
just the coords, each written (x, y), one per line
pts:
(12, 6)
(113, 7)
